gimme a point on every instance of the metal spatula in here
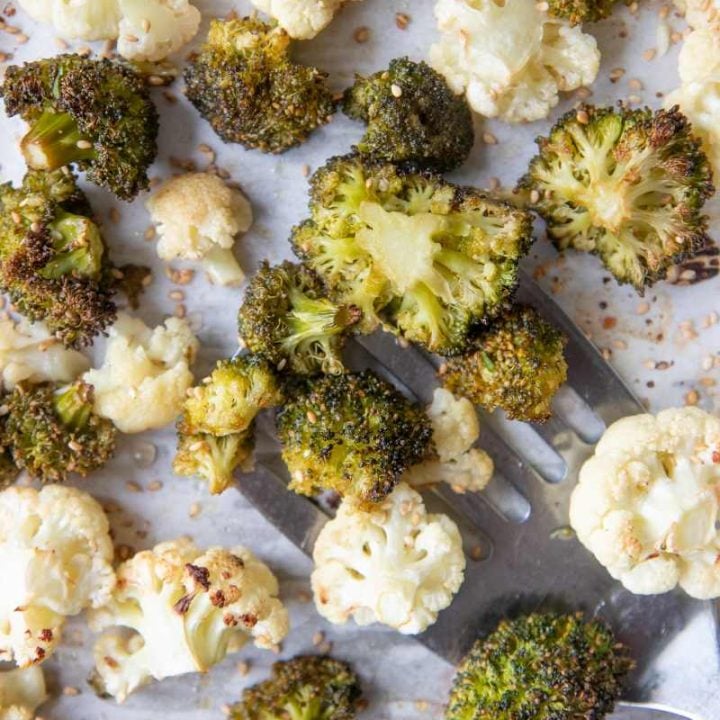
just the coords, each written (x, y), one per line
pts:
(524, 556)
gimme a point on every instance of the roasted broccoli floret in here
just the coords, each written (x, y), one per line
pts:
(516, 364)
(96, 114)
(577, 12)
(351, 433)
(627, 185)
(541, 667)
(413, 252)
(245, 85)
(8, 469)
(304, 688)
(133, 283)
(215, 431)
(53, 431)
(412, 116)
(53, 261)
(287, 320)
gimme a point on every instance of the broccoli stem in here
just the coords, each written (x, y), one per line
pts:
(55, 140)
(317, 319)
(73, 405)
(78, 248)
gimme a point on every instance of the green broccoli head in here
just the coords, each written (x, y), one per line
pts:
(245, 85)
(516, 364)
(8, 469)
(53, 431)
(577, 12)
(53, 261)
(96, 114)
(627, 185)
(228, 400)
(413, 252)
(287, 320)
(352, 433)
(544, 667)
(304, 688)
(213, 459)
(412, 116)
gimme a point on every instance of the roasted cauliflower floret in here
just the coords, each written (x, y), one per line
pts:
(199, 217)
(22, 691)
(647, 505)
(145, 373)
(182, 610)
(395, 564)
(57, 560)
(301, 19)
(511, 59)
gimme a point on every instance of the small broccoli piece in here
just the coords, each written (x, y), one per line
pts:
(626, 185)
(351, 433)
(287, 319)
(304, 688)
(412, 251)
(53, 261)
(133, 283)
(577, 12)
(516, 364)
(544, 667)
(96, 114)
(53, 431)
(8, 469)
(412, 116)
(245, 85)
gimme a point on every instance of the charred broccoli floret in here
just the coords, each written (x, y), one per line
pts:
(287, 320)
(96, 114)
(215, 431)
(53, 431)
(8, 469)
(577, 12)
(412, 116)
(413, 252)
(245, 85)
(516, 364)
(627, 185)
(351, 433)
(305, 688)
(53, 261)
(544, 667)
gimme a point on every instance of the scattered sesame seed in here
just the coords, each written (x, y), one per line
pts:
(114, 215)
(489, 138)
(70, 691)
(194, 510)
(582, 117)
(150, 233)
(643, 308)
(402, 20)
(132, 486)
(243, 668)
(534, 196)
(396, 90)
(361, 35)
(318, 638)
(692, 397)
(177, 295)
(84, 144)
(155, 485)
(180, 311)
(649, 54)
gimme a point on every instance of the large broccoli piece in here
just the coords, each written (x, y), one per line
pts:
(53, 261)
(577, 12)
(351, 433)
(245, 85)
(412, 116)
(627, 185)
(287, 320)
(304, 688)
(215, 431)
(516, 364)
(53, 431)
(412, 251)
(541, 667)
(96, 114)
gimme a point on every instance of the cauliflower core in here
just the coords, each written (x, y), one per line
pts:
(145, 375)
(395, 564)
(22, 691)
(301, 19)
(178, 609)
(511, 59)
(198, 218)
(28, 351)
(455, 431)
(56, 560)
(647, 503)
(146, 29)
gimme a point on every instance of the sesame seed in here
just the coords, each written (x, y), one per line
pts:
(154, 485)
(150, 233)
(582, 117)
(402, 20)
(132, 486)
(649, 54)
(692, 397)
(243, 668)
(318, 638)
(70, 691)
(194, 510)
(489, 138)
(361, 35)
(83, 144)
(396, 90)
(643, 308)
(534, 196)
(114, 215)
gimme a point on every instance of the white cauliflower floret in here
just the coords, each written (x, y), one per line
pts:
(22, 691)
(145, 29)
(145, 375)
(511, 59)
(28, 351)
(198, 218)
(182, 610)
(701, 14)
(56, 557)
(301, 19)
(394, 564)
(647, 503)
(455, 431)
